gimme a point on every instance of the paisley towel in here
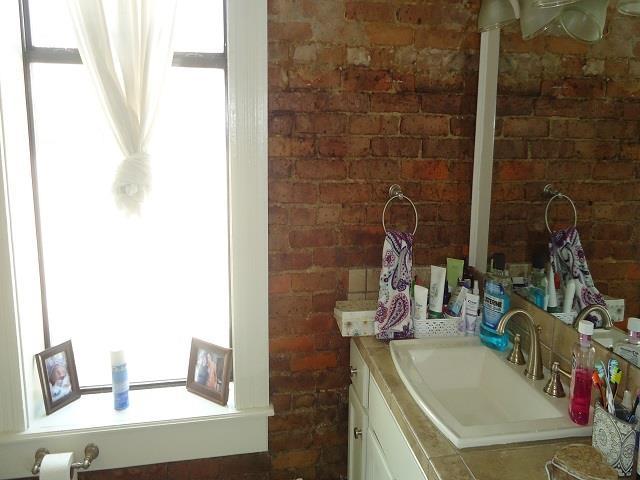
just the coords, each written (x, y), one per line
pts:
(568, 259)
(393, 314)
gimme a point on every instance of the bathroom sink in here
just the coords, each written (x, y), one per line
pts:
(475, 397)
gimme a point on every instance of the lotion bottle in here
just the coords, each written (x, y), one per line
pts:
(120, 379)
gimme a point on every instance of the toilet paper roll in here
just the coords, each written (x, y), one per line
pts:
(56, 466)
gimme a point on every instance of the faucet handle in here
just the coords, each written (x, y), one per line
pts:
(516, 353)
(554, 385)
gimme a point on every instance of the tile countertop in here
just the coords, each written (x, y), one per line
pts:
(439, 458)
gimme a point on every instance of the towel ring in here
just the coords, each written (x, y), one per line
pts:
(396, 192)
(548, 189)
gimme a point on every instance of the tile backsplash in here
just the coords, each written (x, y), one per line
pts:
(364, 283)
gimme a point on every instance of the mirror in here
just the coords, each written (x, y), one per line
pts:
(568, 114)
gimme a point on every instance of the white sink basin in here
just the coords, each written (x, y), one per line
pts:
(475, 397)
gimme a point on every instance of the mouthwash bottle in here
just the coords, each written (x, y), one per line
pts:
(538, 287)
(496, 302)
(582, 360)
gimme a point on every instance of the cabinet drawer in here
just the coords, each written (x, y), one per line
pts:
(401, 461)
(359, 375)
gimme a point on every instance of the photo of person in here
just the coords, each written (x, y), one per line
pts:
(209, 371)
(202, 367)
(58, 376)
(214, 381)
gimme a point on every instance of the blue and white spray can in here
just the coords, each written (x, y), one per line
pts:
(120, 379)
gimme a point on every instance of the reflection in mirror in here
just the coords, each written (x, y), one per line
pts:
(571, 121)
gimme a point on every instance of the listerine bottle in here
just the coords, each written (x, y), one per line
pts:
(538, 287)
(496, 302)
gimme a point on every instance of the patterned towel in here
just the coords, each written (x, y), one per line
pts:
(568, 258)
(393, 315)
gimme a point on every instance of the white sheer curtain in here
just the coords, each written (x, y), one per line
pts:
(126, 45)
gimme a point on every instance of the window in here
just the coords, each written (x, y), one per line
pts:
(147, 284)
(155, 416)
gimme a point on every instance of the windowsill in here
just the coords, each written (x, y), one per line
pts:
(149, 406)
(160, 425)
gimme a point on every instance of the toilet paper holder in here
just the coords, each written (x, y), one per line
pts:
(91, 452)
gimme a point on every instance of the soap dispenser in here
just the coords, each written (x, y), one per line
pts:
(630, 348)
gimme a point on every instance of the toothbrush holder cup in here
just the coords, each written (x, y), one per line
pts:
(615, 439)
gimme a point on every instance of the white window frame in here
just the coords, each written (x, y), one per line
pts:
(189, 427)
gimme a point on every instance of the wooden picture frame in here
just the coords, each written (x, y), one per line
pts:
(209, 371)
(58, 376)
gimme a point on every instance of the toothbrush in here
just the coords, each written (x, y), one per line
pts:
(615, 375)
(612, 365)
(616, 378)
(600, 368)
(598, 384)
(604, 375)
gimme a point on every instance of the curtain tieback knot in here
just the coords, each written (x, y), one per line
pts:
(133, 182)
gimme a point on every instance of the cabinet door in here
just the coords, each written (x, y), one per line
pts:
(358, 426)
(377, 468)
(390, 438)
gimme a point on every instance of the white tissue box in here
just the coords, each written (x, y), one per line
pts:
(355, 318)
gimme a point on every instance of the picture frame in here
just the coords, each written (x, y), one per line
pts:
(209, 371)
(58, 376)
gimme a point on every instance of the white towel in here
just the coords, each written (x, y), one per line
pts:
(393, 315)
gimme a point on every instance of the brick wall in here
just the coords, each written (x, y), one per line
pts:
(362, 95)
(366, 94)
(568, 115)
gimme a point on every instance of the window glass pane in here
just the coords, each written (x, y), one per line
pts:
(51, 24)
(199, 25)
(147, 284)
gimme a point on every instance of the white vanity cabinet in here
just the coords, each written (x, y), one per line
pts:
(377, 448)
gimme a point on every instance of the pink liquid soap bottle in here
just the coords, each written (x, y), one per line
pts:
(582, 361)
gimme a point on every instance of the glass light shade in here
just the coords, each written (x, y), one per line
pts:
(629, 7)
(535, 19)
(495, 14)
(584, 20)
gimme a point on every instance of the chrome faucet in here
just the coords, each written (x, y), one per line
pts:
(534, 362)
(586, 311)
